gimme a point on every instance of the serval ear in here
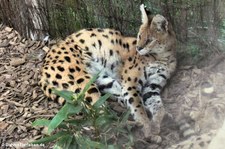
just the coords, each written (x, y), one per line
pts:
(165, 25)
(146, 15)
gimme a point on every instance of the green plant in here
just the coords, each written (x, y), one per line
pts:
(97, 126)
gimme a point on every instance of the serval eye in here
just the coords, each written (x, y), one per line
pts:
(139, 36)
(147, 41)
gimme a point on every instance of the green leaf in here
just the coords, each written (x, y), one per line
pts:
(101, 101)
(112, 147)
(62, 115)
(86, 143)
(64, 142)
(41, 122)
(104, 120)
(79, 122)
(67, 95)
(88, 85)
(94, 144)
(51, 138)
(125, 117)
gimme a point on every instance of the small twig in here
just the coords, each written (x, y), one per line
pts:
(15, 103)
(35, 116)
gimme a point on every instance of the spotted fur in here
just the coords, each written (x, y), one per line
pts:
(72, 62)
(133, 71)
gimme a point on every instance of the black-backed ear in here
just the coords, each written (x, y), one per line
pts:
(146, 15)
(165, 25)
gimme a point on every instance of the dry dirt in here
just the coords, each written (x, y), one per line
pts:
(197, 93)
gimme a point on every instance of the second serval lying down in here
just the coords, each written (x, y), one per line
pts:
(138, 69)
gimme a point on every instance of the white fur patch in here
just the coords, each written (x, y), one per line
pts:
(144, 15)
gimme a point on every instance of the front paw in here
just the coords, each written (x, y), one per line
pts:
(155, 128)
(154, 138)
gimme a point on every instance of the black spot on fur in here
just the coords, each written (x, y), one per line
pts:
(149, 94)
(100, 30)
(130, 59)
(77, 90)
(78, 68)
(111, 52)
(87, 77)
(89, 29)
(125, 94)
(77, 35)
(102, 87)
(93, 35)
(60, 68)
(117, 33)
(154, 86)
(80, 80)
(112, 41)
(129, 88)
(59, 52)
(44, 88)
(54, 61)
(120, 42)
(55, 83)
(72, 49)
(63, 48)
(49, 91)
(52, 68)
(100, 44)
(131, 100)
(135, 79)
(134, 42)
(89, 54)
(82, 41)
(163, 76)
(70, 76)
(105, 76)
(58, 76)
(106, 36)
(110, 32)
(92, 90)
(76, 47)
(67, 58)
(135, 94)
(65, 85)
(47, 75)
(88, 99)
(127, 46)
(72, 70)
(71, 82)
